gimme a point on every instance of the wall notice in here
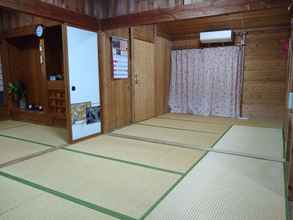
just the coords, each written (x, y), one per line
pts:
(120, 58)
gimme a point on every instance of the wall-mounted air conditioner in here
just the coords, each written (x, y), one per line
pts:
(216, 37)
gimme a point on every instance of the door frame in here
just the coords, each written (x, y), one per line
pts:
(67, 85)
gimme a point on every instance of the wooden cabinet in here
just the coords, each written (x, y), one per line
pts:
(32, 61)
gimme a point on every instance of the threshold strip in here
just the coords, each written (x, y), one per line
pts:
(179, 129)
(124, 161)
(196, 121)
(170, 189)
(28, 157)
(68, 197)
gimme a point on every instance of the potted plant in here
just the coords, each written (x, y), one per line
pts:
(17, 91)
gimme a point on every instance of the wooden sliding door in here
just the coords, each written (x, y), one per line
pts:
(82, 82)
(143, 80)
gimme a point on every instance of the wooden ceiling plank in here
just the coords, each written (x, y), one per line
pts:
(38, 8)
(206, 9)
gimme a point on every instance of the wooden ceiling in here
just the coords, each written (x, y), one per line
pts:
(255, 19)
(138, 12)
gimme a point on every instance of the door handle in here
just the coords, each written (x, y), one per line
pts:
(73, 88)
(136, 78)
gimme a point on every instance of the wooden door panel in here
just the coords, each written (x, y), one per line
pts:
(143, 80)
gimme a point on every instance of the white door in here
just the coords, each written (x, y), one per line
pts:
(83, 82)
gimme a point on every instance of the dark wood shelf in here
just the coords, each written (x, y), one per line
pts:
(56, 85)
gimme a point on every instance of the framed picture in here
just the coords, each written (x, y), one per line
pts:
(93, 114)
(79, 112)
(119, 58)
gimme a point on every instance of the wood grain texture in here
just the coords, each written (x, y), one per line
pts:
(87, 7)
(163, 74)
(116, 98)
(11, 20)
(178, 30)
(143, 68)
(265, 76)
(144, 33)
(50, 11)
(182, 12)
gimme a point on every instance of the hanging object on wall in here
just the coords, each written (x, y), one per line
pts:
(93, 114)
(78, 112)
(120, 58)
(40, 30)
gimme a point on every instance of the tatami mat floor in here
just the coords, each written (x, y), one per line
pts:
(163, 168)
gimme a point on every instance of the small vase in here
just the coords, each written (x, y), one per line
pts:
(22, 103)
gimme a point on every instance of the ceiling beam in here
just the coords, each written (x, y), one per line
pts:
(49, 11)
(197, 10)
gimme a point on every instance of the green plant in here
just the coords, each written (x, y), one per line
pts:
(16, 90)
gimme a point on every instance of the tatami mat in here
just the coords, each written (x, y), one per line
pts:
(151, 154)
(196, 139)
(225, 187)
(267, 123)
(21, 202)
(261, 142)
(187, 125)
(38, 133)
(11, 149)
(197, 118)
(116, 186)
(10, 124)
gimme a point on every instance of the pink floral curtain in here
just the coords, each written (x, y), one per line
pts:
(207, 81)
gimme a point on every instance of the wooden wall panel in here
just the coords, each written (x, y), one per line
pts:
(116, 98)
(88, 7)
(117, 8)
(265, 76)
(11, 20)
(145, 33)
(163, 74)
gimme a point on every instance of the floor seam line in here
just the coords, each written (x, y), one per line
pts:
(124, 161)
(19, 126)
(28, 157)
(194, 121)
(178, 129)
(29, 141)
(67, 197)
(171, 188)
(193, 147)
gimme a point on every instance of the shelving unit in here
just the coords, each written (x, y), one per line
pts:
(32, 61)
(56, 101)
(54, 65)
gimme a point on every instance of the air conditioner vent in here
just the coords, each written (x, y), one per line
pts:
(216, 37)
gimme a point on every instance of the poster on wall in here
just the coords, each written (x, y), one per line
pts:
(79, 112)
(120, 58)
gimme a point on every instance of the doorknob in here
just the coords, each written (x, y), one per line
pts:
(136, 78)
(73, 88)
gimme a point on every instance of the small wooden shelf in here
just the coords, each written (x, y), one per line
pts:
(57, 101)
(56, 85)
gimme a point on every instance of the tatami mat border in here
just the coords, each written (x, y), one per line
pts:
(124, 161)
(179, 129)
(17, 126)
(196, 147)
(194, 120)
(31, 141)
(170, 189)
(68, 197)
